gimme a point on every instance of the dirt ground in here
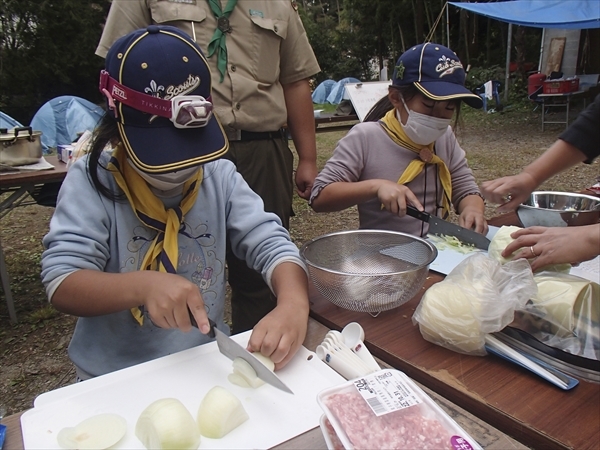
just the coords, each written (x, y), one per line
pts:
(33, 353)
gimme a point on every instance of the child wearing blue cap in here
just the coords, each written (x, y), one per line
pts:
(410, 154)
(136, 246)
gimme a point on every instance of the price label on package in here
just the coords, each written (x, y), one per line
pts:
(386, 392)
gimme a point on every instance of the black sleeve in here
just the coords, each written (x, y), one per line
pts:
(584, 133)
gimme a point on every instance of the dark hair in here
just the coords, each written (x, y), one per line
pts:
(106, 133)
(408, 91)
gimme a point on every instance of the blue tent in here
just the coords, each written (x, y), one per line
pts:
(8, 122)
(322, 91)
(61, 119)
(337, 91)
(574, 14)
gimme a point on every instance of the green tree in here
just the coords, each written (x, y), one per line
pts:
(46, 50)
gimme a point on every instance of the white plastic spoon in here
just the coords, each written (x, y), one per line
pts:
(346, 370)
(354, 336)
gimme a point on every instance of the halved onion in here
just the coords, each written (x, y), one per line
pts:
(244, 375)
(96, 432)
(220, 412)
(167, 424)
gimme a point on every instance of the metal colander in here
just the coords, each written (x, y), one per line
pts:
(368, 270)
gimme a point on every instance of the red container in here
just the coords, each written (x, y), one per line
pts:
(561, 86)
(534, 82)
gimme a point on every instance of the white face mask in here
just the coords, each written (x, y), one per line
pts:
(421, 128)
(167, 181)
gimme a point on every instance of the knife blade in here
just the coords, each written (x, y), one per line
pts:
(232, 350)
(443, 227)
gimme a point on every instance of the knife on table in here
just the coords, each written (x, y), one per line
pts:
(232, 350)
(443, 227)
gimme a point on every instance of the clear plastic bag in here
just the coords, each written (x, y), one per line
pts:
(478, 297)
(565, 314)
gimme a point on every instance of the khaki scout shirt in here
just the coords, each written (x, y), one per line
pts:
(267, 47)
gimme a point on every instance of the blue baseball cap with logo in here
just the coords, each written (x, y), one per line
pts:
(158, 84)
(436, 72)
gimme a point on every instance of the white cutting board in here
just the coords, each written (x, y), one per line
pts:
(448, 259)
(275, 416)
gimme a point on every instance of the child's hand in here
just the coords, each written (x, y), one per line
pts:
(170, 298)
(280, 334)
(394, 197)
(473, 219)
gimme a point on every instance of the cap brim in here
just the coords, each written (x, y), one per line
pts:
(167, 149)
(443, 91)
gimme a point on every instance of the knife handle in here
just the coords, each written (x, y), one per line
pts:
(414, 212)
(212, 323)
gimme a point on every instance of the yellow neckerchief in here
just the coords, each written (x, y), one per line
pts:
(393, 128)
(163, 252)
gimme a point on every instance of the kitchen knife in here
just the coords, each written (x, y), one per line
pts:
(232, 350)
(443, 227)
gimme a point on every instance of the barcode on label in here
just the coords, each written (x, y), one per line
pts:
(376, 405)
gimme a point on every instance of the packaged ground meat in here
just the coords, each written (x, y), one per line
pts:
(386, 409)
(331, 438)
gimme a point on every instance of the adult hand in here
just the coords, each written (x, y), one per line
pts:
(279, 334)
(394, 197)
(557, 245)
(169, 298)
(509, 192)
(306, 172)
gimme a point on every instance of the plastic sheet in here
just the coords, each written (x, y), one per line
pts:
(479, 296)
(565, 314)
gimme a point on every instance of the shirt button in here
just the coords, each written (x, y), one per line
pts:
(233, 68)
(238, 106)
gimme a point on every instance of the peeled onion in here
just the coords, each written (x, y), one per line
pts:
(244, 374)
(97, 432)
(220, 412)
(167, 424)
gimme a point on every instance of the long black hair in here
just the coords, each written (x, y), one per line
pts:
(384, 104)
(105, 134)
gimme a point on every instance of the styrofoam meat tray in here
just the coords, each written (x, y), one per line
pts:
(275, 416)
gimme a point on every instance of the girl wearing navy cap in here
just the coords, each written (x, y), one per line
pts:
(406, 152)
(136, 246)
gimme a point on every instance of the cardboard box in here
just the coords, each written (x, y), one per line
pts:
(561, 86)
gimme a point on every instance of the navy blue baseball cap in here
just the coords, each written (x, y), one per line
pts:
(436, 72)
(147, 68)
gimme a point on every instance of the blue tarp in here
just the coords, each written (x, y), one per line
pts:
(321, 92)
(572, 14)
(8, 122)
(337, 91)
(61, 119)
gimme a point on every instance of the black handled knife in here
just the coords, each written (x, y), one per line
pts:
(443, 227)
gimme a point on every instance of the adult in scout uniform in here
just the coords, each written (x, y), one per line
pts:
(261, 60)
(410, 153)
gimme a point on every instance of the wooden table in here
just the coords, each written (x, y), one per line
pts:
(331, 122)
(502, 394)
(20, 186)
(486, 435)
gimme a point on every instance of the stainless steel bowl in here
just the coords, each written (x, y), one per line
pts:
(368, 270)
(559, 209)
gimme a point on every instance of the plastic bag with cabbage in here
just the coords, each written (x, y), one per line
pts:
(479, 296)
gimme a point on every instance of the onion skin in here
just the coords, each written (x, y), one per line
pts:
(219, 413)
(167, 424)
